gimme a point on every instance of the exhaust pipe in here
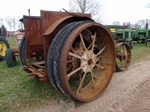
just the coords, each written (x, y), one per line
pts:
(146, 23)
(29, 12)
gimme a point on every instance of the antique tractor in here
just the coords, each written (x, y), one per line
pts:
(3, 44)
(124, 35)
(74, 53)
(124, 44)
(142, 35)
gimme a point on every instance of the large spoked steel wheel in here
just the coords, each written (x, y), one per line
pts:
(3, 47)
(123, 57)
(84, 61)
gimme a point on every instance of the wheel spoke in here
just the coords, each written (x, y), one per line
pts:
(101, 67)
(93, 43)
(93, 76)
(101, 51)
(81, 37)
(89, 46)
(76, 70)
(119, 44)
(74, 55)
(80, 85)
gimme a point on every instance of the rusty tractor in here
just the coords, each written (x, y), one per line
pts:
(74, 53)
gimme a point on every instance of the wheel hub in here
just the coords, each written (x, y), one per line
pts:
(88, 60)
(3, 48)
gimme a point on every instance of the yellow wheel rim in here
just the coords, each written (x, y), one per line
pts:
(148, 44)
(3, 48)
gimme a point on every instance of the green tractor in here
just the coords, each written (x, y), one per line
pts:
(3, 44)
(124, 35)
(143, 36)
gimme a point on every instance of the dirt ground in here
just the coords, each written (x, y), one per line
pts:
(128, 91)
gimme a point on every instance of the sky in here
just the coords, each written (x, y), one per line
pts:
(112, 10)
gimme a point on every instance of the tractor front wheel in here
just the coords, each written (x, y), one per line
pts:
(148, 43)
(10, 59)
(3, 47)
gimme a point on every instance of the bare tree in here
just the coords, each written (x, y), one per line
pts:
(141, 23)
(87, 6)
(116, 23)
(8, 21)
(135, 26)
(13, 23)
(20, 24)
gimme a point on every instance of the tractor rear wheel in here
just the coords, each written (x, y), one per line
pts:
(84, 61)
(123, 56)
(21, 51)
(3, 47)
(50, 56)
(10, 59)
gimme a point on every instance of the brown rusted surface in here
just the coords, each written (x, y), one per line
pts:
(97, 65)
(35, 73)
(52, 22)
(32, 34)
(55, 24)
(88, 53)
(15, 52)
(50, 17)
(123, 56)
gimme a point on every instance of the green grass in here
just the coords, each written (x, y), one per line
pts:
(18, 91)
(12, 42)
(139, 52)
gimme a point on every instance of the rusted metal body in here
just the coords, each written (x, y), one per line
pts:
(39, 33)
(74, 53)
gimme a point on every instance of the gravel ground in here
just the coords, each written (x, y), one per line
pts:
(128, 91)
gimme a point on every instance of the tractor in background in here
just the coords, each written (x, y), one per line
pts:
(124, 44)
(4, 45)
(125, 35)
(142, 35)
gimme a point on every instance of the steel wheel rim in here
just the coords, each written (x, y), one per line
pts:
(3, 48)
(92, 71)
(123, 56)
